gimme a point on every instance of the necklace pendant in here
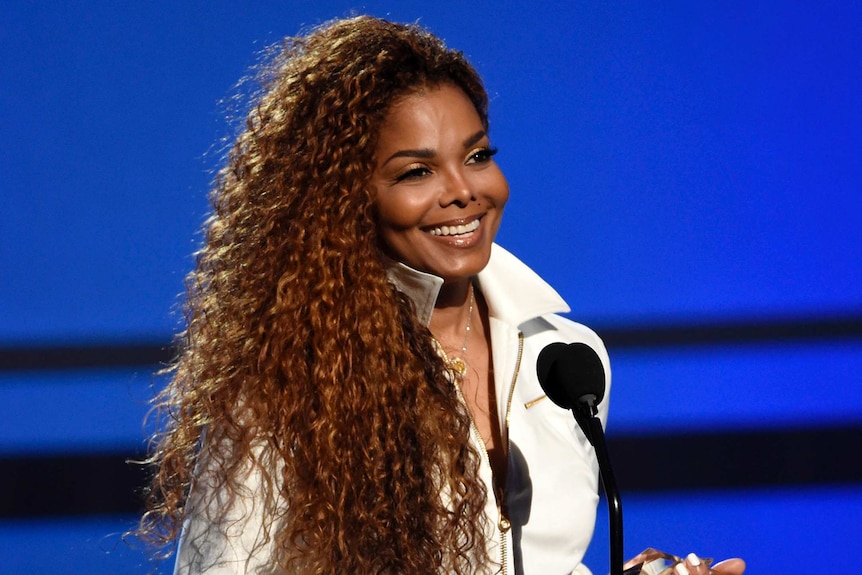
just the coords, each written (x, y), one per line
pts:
(458, 366)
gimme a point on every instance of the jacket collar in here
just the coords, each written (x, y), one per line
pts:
(515, 293)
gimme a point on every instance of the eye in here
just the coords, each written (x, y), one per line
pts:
(481, 156)
(414, 173)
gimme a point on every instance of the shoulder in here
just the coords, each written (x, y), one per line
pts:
(228, 524)
(552, 328)
(571, 331)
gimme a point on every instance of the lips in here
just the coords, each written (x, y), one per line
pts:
(455, 230)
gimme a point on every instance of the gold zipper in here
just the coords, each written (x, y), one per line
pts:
(512, 391)
(503, 525)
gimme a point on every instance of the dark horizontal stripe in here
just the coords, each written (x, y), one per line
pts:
(148, 355)
(53, 486)
(154, 354)
(733, 332)
(745, 458)
(72, 485)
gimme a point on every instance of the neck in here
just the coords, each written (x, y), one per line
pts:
(451, 309)
(453, 294)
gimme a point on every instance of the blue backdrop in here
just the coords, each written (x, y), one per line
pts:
(677, 165)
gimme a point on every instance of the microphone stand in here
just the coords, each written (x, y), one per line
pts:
(585, 414)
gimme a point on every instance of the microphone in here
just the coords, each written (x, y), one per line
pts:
(571, 373)
(573, 377)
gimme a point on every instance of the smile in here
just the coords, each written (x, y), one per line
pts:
(455, 230)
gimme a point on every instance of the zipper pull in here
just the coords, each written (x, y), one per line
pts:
(503, 524)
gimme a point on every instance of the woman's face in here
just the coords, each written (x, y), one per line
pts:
(439, 193)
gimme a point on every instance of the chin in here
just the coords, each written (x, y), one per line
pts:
(463, 272)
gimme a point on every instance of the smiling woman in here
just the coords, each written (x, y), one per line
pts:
(355, 391)
(439, 194)
(439, 198)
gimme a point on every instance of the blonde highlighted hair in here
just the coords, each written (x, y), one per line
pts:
(296, 341)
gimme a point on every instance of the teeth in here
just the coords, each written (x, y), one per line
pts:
(455, 230)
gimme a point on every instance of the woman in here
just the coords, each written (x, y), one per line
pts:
(356, 391)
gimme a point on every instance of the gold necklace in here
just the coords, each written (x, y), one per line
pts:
(458, 364)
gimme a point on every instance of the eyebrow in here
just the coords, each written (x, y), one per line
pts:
(427, 153)
(474, 138)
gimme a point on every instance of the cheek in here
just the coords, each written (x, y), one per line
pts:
(401, 210)
(500, 188)
(504, 195)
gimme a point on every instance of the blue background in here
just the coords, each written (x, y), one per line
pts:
(670, 164)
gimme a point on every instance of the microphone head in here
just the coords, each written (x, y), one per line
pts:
(568, 373)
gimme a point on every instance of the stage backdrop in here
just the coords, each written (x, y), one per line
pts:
(686, 174)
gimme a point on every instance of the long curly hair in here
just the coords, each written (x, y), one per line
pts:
(298, 350)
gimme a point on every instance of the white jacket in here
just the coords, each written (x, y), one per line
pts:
(552, 486)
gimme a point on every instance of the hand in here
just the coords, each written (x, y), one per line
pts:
(694, 565)
(654, 562)
(735, 566)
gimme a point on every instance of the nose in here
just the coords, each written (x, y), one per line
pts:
(457, 190)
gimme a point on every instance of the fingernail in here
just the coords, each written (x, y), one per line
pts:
(680, 569)
(693, 559)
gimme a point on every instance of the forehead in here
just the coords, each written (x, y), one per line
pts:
(428, 113)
